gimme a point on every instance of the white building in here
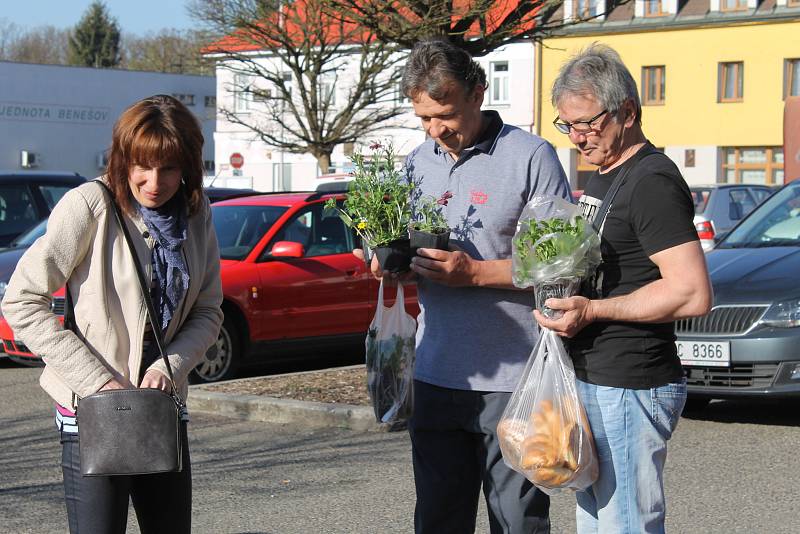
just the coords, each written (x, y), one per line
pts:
(509, 72)
(55, 117)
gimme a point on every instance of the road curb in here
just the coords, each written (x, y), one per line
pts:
(283, 411)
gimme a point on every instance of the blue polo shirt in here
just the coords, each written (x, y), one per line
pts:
(474, 338)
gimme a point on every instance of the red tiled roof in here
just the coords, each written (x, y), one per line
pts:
(624, 12)
(694, 8)
(295, 15)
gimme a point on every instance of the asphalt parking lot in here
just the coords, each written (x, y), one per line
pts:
(731, 470)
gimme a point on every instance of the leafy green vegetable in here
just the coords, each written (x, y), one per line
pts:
(565, 238)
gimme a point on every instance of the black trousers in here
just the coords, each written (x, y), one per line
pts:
(99, 505)
(455, 451)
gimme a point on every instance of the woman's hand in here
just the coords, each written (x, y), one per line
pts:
(156, 380)
(117, 383)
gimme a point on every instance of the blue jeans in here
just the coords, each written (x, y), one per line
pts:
(631, 428)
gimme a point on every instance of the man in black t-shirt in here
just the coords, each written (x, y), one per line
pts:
(653, 272)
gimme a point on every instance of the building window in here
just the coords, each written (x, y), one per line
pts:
(731, 81)
(326, 86)
(654, 8)
(287, 82)
(752, 165)
(584, 9)
(498, 84)
(654, 85)
(399, 97)
(242, 93)
(185, 99)
(210, 102)
(791, 77)
(732, 5)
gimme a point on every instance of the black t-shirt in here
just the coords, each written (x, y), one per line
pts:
(651, 212)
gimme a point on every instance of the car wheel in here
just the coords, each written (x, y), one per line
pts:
(696, 404)
(221, 360)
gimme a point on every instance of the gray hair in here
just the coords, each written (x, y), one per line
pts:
(435, 64)
(598, 71)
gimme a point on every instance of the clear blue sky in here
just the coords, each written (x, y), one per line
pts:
(133, 16)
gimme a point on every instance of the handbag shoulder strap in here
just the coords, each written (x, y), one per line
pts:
(608, 200)
(69, 322)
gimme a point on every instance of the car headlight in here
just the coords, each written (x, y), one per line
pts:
(783, 314)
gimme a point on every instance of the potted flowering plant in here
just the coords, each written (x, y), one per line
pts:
(429, 228)
(378, 208)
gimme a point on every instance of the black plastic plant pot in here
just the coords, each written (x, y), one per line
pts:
(422, 239)
(394, 257)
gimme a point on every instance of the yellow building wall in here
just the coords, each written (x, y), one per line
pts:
(691, 114)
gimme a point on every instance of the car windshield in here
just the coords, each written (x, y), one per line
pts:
(240, 228)
(700, 196)
(27, 238)
(775, 223)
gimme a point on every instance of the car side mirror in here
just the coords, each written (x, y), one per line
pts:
(734, 211)
(287, 249)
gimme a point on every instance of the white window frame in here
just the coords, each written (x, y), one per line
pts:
(242, 97)
(288, 80)
(499, 83)
(326, 85)
(399, 97)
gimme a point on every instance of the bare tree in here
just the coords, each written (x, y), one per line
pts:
(42, 44)
(316, 78)
(477, 26)
(168, 50)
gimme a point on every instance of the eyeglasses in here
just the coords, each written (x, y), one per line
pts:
(582, 127)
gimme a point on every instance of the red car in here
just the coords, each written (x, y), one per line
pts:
(16, 350)
(291, 284)
(290, 280)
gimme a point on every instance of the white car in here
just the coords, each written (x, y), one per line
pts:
(718, 207)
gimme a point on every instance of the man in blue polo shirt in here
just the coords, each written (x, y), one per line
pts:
(475, 330)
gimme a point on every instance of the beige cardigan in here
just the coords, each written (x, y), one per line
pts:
(84, 244)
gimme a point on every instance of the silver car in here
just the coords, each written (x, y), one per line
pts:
(718, 207)
(749, 344)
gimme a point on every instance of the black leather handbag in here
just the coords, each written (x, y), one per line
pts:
(129, 431)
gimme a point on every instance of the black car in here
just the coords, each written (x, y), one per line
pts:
(27, 197)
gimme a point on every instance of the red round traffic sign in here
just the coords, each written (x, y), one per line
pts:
(236, 160)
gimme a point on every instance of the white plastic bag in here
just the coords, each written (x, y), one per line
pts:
(554, 248)
(543, 432)
(390, 347)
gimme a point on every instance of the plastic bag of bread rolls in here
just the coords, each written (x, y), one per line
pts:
(543, 432)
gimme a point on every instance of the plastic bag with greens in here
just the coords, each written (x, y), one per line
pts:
(553, 249)
(390, 346)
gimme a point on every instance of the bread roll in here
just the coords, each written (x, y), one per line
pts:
(552, 476)
(547, 447)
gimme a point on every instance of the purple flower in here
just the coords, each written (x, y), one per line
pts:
(444, 198)
(375, 146)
